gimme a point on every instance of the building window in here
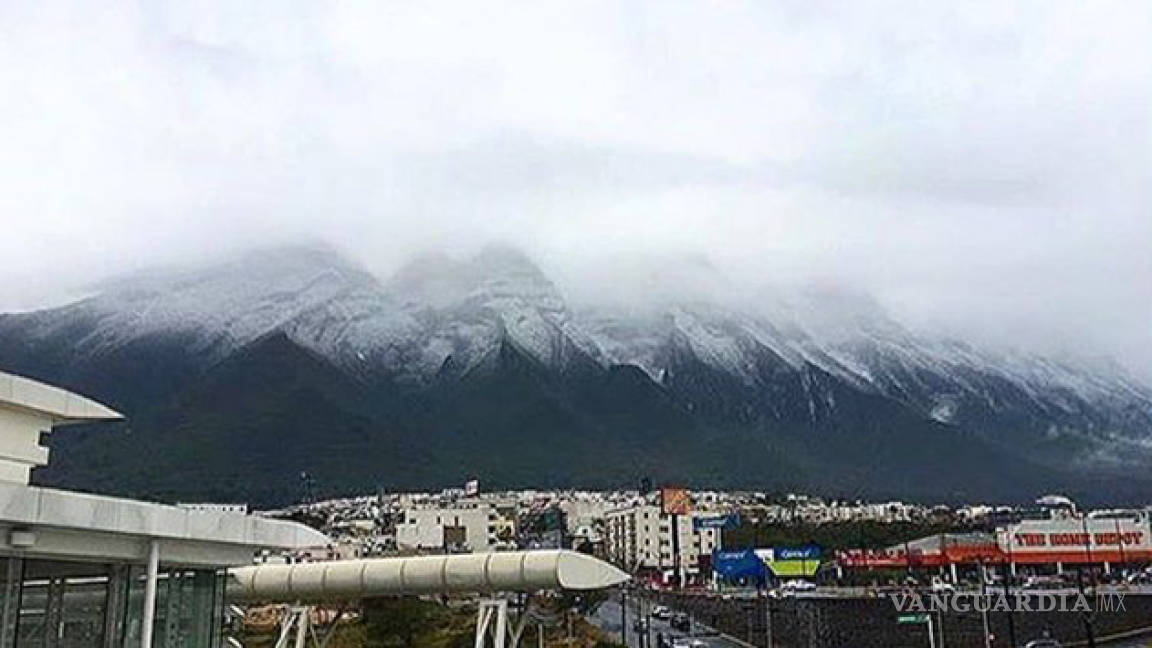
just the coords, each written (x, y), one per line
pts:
(76, 605)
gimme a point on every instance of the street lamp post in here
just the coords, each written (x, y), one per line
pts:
(1007, 592)
(767, 619)
(984, 607)
(1088, 630)
(624, 615)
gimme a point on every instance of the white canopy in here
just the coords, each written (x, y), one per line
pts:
(59, 405)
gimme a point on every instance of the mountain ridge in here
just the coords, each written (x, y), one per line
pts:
(425, 337)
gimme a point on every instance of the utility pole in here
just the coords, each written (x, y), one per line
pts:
(747, 623)
(984, 609)
(1008, 596)
(624, 615)
(1088, 630)
(767, 619)
(647, 623)
(1008, 538)
(941, 613)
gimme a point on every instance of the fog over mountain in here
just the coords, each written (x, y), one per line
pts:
(982, 171)
(298, 359)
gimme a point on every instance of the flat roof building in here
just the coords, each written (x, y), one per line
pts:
(1106, 538)
(82, 570)
(639, 539)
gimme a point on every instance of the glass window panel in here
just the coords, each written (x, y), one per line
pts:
(62, 604)
(10, 571)
(82, 612)
(134, 606)
(36, 603)
(79, 605)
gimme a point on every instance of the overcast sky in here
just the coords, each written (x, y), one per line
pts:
(986, 168)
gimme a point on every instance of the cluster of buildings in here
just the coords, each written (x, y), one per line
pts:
(640, 533)
(627, 527)
(635, 530)
(465, 519)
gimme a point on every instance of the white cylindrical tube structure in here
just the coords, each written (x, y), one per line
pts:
(514, 571)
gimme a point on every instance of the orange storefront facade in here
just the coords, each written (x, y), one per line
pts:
(1029, 542)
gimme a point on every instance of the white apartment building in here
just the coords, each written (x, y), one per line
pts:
(581, 514)
(467, 525)
(640, 539)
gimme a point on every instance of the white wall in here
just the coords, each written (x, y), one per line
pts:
(424, 528)
(20, 447)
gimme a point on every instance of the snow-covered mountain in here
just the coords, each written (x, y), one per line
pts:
(793, 357)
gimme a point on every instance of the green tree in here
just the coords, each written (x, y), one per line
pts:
(400, 620)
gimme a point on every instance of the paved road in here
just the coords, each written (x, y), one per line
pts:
(607, 618)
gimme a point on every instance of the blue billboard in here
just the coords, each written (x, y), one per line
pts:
(735, 566)
(729, 521)
(805, 552)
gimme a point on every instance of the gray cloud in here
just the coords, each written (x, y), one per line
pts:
(985, 168)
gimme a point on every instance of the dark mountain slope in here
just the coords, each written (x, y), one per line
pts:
(245, 430)
(253, 423)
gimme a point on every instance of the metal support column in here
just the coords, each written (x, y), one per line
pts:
(149, 616)
(491, 619)
(501, 625)
(493, 622)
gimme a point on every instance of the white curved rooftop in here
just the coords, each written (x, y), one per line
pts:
(61, 405)
(86, 526)
(514, 571)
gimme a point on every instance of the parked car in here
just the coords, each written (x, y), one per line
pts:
(799, 585)
(1044, 582)
(662, 612)
(682, 622)
(1139, 578)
